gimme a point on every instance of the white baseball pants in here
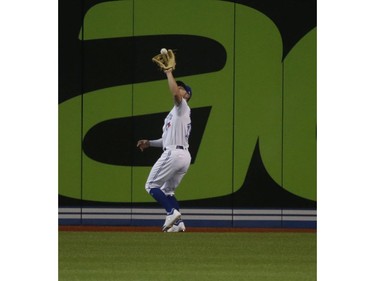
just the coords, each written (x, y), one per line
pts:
(169, 170)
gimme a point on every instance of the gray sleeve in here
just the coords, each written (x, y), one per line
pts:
(156, 143)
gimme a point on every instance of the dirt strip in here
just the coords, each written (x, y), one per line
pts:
(190, 229)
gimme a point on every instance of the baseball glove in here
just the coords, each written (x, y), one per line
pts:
(165, 61)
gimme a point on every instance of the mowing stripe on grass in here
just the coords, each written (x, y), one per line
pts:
(154, 256)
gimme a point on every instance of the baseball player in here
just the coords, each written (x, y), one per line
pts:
(170, 168)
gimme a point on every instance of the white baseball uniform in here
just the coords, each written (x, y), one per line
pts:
(173, 164)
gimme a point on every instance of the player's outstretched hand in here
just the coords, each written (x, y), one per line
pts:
(143, 144)
(165, 60)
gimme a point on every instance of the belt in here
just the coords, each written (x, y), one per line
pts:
(174, 147)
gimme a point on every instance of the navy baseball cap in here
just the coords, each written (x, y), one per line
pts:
(186, 87)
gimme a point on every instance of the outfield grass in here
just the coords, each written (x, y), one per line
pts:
(152, 256)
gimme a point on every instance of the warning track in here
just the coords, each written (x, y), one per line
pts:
(190, 229)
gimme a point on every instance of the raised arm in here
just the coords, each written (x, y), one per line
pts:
(173, 87)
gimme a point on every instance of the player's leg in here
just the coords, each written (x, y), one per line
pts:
(159, 175)
(161, 198)
(173, 202)
(178, 225)
(173, 213)
(169, 187)
(182, 164)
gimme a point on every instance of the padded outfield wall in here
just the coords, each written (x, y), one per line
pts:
(252, 68)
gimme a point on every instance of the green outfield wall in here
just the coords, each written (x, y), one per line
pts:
(252, 68)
